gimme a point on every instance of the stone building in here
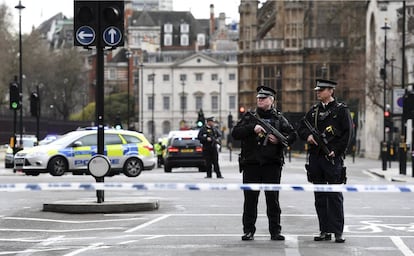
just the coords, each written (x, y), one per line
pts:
(286, 45)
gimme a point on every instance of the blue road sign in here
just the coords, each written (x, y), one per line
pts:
(112, 36)
(85, 35)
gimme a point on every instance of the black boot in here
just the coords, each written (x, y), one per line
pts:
(248, 236)
(323, 236)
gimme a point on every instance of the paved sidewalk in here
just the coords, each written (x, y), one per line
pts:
(393, 174)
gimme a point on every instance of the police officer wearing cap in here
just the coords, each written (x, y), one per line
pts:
(333, 123)
(210, 137)
(261, 162)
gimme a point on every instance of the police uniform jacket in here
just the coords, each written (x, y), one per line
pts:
(209, 132)
(253, 150)
(334, 124)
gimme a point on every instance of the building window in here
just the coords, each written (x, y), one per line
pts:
(214, 77)
(232, 76)
(201, 39)
(168, 28)
(166, 102)
(198, 102)
(168, 39)
(166, 78)
(214, 103)
(183, 102)
(184, 40)
(232, 102)
(150, 102)
(150, 77)
(184, 28)
(183, 77)
(199, 76)
(111, 74)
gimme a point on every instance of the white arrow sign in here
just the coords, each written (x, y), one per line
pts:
(112, 36)
(112, 32)
(83, 34)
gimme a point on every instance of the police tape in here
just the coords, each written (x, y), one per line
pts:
(16, 187)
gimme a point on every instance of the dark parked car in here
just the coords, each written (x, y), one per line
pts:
(184, 150)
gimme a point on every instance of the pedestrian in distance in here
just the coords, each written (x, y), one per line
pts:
(261, 159)
(327, 128)
(210, 137)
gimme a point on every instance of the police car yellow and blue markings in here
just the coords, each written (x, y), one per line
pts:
(114, 152)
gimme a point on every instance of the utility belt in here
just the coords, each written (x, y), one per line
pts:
(342, 178)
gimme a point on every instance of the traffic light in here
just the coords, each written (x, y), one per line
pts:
(200, 119)
(242, 110)
(112, 23)
(118, 124)
(388, 120)
(230, 121)
(85, 22)
(99, 23)
(34, 104)
(14, 97)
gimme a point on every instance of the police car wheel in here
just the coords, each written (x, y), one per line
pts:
(57, 166)
(133, 167)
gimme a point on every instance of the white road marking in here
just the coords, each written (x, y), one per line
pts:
(148, 223)
(292, 245)
(54, 230)
(91, 247)
(70, 221)
(401, 246)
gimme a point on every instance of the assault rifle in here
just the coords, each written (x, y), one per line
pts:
(270, 130)
(321, 140)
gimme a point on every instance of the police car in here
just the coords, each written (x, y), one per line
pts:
(129, 152)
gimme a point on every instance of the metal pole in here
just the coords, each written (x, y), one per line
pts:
(20, 7)
(220, 83)
(141, 91)
(153, 107)
(38, 114)
(99, 94)
(402, 150)
(182, 102)
(384, 150)
(128, 55)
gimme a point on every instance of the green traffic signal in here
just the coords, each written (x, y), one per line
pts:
(14, 96)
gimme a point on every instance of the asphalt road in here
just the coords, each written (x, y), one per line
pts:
(203, 222)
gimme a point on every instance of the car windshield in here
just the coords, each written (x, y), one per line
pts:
(65, 139)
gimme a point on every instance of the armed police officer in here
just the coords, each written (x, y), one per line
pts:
(210, 137)
(261, 159)
(327, 128)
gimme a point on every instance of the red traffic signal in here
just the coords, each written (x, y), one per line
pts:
(387, 114)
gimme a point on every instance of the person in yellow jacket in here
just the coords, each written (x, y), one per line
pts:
(159, 148)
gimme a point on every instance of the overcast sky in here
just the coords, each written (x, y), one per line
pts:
(37, 11)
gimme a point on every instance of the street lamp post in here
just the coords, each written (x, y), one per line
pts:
(220, 84)
(128, 56)
(141, 92)
(153, 107)
(384, 77)
(20, 7)
(182, 102)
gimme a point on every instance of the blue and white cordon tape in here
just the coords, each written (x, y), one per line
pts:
(16, 187)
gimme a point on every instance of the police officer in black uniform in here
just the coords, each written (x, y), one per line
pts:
(261, 160)
(210, 137)
(333, 124)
